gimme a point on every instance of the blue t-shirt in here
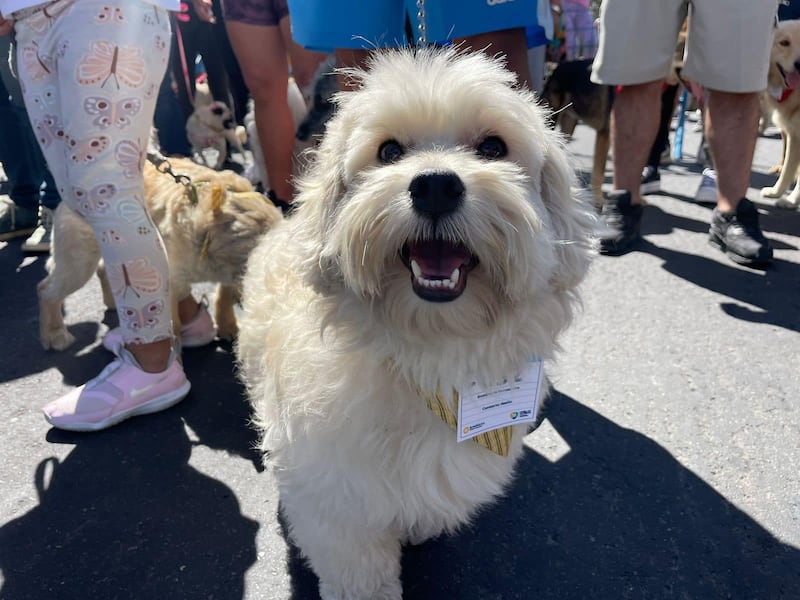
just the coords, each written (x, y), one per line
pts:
(535, 36)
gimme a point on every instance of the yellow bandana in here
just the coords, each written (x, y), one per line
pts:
(497, 440)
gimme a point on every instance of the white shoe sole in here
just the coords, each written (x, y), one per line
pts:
(155, 405)
(651, 187)
(706, 196)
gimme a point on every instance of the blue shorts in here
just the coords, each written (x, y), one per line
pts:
(366, 24)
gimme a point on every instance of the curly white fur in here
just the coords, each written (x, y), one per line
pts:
(335, 341)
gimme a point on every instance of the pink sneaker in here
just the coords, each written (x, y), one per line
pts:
(122, 390)
(200, 330)
(197, 332)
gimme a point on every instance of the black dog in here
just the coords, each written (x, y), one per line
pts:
(573, 97)
(321, 107)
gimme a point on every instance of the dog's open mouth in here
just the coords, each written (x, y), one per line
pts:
(790, 80)
(438, 268)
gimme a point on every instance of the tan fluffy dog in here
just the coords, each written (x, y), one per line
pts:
(439, 243)
(209, 240)
(784, 100)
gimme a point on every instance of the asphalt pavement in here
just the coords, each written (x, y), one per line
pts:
(668, 465)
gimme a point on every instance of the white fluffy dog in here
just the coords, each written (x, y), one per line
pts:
(439, 242)
(212, 126)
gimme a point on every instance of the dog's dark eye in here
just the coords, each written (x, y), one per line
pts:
(492, 147)
(784, 43)
(390, 151)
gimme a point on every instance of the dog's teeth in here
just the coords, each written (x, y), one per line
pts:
(450, 283)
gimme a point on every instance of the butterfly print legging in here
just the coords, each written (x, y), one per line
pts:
(90, 72)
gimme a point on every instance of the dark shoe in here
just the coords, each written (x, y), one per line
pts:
(621, 221)
(651, 181)
(739, 236)
(15, 220)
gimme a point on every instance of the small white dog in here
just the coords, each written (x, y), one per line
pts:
(438, 244)
(212, 126)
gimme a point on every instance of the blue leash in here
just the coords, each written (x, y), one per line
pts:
(677, 149)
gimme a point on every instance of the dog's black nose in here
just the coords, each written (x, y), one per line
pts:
(797, 65)
(436, 193)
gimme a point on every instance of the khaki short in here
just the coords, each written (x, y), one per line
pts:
(727, 48)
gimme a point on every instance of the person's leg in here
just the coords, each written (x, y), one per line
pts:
(18, 211)
(717, 30)
(634, 120)
(571, 32)
(584, 25)
(662, 136)
(19, 152)
(304, 63)
(263, 59)
(39, 190)
(634, 123)
(237, 87)
(98, 168)
(170, 121)
(509, 42)
(182, 64)
(731, 131)
(90, 155)
(536, 60)
(207, 47)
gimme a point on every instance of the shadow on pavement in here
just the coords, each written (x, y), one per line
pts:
(775, 292)
(125, 516)
(617, 517)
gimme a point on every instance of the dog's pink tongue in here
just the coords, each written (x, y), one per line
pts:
(437, 258)
(793, 80)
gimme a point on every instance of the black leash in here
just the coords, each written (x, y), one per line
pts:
(162, 165)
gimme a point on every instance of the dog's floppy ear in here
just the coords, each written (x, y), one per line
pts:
(320, 192)
(572, 218)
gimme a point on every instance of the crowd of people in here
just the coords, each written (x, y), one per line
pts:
(86, 81)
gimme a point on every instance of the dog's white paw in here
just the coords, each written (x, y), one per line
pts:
(770, 192)
(60, 339)
(791, 203)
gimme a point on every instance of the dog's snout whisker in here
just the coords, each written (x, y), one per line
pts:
(436, 193)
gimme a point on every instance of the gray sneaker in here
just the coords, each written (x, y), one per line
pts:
(39, 241)
(15, 220)
(707, 191)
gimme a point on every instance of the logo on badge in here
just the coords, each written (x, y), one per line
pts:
(514, 415)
